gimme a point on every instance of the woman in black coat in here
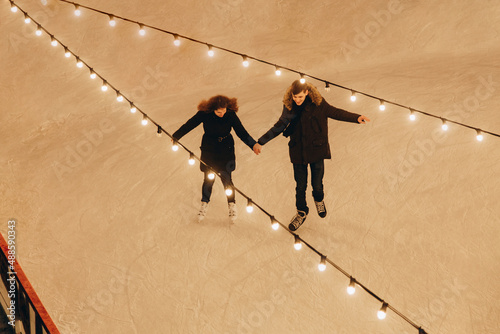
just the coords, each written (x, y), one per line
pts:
(218, 115)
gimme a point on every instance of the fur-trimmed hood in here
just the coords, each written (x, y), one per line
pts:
(314, 94)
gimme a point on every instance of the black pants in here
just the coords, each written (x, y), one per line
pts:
(206, 189)
(300, 175)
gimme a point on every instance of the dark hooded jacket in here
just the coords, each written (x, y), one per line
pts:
(217, 144)
(307, 126)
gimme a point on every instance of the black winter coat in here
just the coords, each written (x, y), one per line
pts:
(308, 129)
(217, 144)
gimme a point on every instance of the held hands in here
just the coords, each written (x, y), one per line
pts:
(363, 119)
(257, 148)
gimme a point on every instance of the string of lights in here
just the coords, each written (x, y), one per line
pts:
(275, 224)
(278, 69)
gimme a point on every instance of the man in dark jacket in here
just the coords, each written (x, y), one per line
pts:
(305, 120)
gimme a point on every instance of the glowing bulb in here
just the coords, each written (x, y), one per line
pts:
(13, 7)
(479, 136)
(175, 147)
(278, 71)
(382, 105)
(26, 19)
(79, 63)
(53, 42)
(92, 74)
(67, 54)
(142, 32)
(245, 61)
(249, 206)
(112, 21)
(38, 31)
(302, 79)
(77, 10)
(353, 96)
(211, 176)
(191, 160)
(210, 51)
(229, 192)
(327, 87)
(133, 109)
(297, 245)
(104, 86)
(274, 224)
(444, 126)
(381, 314)
(412, 115)
(351, 289)
(119, 97)
(158, 132)
(177, 41)
(144, 120)
(322, 263)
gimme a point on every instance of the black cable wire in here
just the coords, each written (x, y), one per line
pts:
(160, 129)
(327, 83)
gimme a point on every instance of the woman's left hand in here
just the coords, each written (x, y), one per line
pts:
(257, 148)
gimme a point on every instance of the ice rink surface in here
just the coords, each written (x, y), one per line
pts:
(106, 211)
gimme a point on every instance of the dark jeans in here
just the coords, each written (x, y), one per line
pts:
(206, 188)
(300, 175)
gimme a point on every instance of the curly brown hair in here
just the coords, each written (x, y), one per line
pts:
(217, 102)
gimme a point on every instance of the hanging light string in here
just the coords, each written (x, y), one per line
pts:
(275, 223)
(279, 68)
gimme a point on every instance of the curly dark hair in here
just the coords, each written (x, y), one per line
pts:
(217, 102)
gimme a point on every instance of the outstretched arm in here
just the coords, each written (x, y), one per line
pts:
(243, 134)
(278, 127)
(192, 123)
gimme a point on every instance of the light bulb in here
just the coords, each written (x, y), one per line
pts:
(92, 74)
(104, 86)
(27, 19)
(79, 63)
(249, 206)
(353, 96)
(144, 120)
(327, 87)
(274, 224)
(479, 136)
(381, 314)
(119, 97)
(67, 54)
(175, 147)
(302, 79)
(229, 192)
(112, 21)
(53, 42)
(133, 109)
(77, 10)
(13, 8)
(322, 263)
(297, 245)
(142, 32)
(351, 289)
(245, 61)
(158, 131)
(278, 71)
(444, 126)
(191, 160)
(38, 31)
(412, 115)
(211, 176)
(210, 51)
(382, 105)
(177, 41)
